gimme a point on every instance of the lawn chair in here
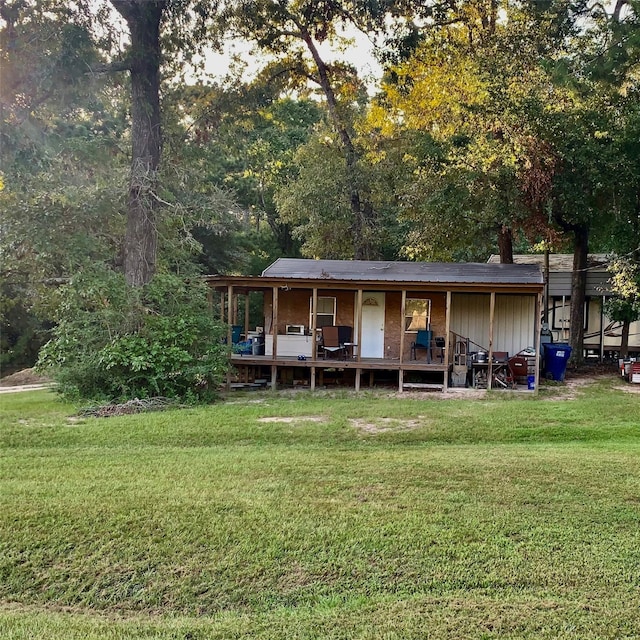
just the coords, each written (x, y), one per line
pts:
(334, 340)
(422, 341)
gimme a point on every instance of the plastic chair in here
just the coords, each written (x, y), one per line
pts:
(422, 341)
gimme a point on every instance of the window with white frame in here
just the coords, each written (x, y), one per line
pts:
(561, 317)
(417, 314)
(326, 315)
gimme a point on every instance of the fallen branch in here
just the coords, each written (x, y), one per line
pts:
(130, 407)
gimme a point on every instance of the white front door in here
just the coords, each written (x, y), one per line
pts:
(372, 324)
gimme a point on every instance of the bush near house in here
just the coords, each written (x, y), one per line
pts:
(115, 342)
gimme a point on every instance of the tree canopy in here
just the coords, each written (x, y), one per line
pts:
(498, 125)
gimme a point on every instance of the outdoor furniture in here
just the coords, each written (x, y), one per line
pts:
(336, 341)
(440, 343)
(507, 374)
(422, 341)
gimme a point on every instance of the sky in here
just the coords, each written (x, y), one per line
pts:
(360, 54)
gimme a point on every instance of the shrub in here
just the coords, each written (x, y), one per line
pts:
(115, 342)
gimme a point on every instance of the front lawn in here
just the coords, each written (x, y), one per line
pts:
(323, 516)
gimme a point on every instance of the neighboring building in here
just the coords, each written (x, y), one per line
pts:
(602, 336)
(465, 307)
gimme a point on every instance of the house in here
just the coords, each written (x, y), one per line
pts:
(467, 308)
(602, 336)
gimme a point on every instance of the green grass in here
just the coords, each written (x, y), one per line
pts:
(503, 517)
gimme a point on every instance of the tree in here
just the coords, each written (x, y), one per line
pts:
(60, 163)
(292, 33)
(624, 306)
(476, 162)
(523, 132)
(241, 137)
(179, 25)
(143, 18)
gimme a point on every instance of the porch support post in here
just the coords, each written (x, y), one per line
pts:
(492, 312)
(229, 336)
(536, 373)
(403, 305)
(602, 301)
(246, 315)
(447, 339)
(313, 378)
(274, 332)
(358, 374)
(359, 321)
(229, 314)
(314, 326)
(400, 380)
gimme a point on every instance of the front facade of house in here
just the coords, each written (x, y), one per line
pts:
(467, 308)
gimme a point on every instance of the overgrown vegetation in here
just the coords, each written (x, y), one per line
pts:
(323, 516)
(116, 342)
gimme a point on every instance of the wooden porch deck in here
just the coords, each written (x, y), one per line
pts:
(247, 365)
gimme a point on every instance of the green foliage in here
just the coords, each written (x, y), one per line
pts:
(625, 284)
(115, 342)
(240, 140)
(21, 333)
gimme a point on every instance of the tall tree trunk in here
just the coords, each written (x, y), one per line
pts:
(505, 244)
(140, 246)
(624, 339)
(578, 291)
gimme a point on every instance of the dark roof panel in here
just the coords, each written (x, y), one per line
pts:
(557, 261)
(418, 272)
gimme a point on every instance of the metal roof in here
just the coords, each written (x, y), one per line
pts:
(409, 272)
(557, 261)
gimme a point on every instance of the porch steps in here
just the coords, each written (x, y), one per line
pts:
(246, 386)
(422, 385)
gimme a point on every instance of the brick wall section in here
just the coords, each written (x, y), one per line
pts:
(293, 308)
(393, 321)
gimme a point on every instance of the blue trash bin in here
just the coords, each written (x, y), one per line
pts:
(556, 356)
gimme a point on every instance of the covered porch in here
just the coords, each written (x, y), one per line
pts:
(385, 318)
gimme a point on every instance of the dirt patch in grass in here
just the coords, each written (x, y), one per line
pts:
(26, 376)
(628, 388)
(383, 425)
(289, 420)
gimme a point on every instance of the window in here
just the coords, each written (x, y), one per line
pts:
(562, 311)
(417, 314)
(326, 316)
